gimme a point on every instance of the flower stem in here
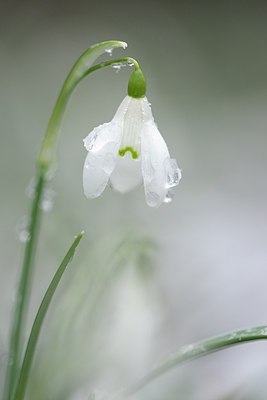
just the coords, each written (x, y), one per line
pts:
(193, 351)
(125, 60)
(44, 163)
(76, 75)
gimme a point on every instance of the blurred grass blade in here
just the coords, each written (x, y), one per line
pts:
(193, 351)
(29, 353)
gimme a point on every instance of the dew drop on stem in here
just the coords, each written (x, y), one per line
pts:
(48, 200)
(22, 229)
(109, 51)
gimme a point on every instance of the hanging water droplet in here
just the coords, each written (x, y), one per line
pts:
(169, 196)
(22, 229)
(117, 67)
(109, 50)
(130, 63)
(173, 172)
(89, 141)
(48, 200)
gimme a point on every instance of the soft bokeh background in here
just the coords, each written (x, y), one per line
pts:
(194, 268)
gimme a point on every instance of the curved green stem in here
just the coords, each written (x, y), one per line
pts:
(77, 73)
(131, 62)
(47, 155)
(193, 351)
(45, 160)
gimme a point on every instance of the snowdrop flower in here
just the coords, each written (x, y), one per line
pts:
(130, 150)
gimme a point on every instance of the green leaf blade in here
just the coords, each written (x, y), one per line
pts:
(36, 328)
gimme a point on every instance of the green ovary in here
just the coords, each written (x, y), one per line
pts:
(134, 153)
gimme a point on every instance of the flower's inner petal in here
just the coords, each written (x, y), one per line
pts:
(160, 172)
(132, 126)
(118, 117)
(127, 174)
(102, 144)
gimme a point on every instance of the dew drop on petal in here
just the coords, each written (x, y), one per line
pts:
(169, 196)
(173, 172)
(89, 141)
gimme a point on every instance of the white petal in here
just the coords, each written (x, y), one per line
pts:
(110, 131)
(132, 126)
(160, 173)
(102, 145)
(127, 174)
(147, 113)
(103, 134)
(118, 117)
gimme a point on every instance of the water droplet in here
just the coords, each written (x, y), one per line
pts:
(117, 67)
(11, 362)
(51, 172)
(109, 50)
(169, 196)
(22, 230)
(48, 200)
(130, 64)
(233, 336)
(89, 141)
(173, 172)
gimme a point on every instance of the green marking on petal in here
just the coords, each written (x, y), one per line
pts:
(134, 153)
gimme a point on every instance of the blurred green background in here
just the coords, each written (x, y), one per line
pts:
(190, 269)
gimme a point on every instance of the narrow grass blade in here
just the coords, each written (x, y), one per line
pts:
(193, 351)
(29, 353)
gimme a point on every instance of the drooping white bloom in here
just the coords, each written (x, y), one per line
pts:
(127, 151)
